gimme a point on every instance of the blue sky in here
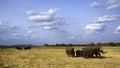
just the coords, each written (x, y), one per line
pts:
(59, 21)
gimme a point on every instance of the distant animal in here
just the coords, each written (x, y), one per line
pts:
(78, 53)
(70, 51)
(18, 48)
(92, 51)
(27, 48)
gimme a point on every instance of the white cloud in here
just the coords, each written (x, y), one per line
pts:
(95, 28)
(1, 23)
(46, 23)
(107, 18)
(47, 20)
(52, 11)
(8, 30)
(48, 27)
(29, 34)
(14, 34)
(109, 4)
(29, 31)
(4, 27)
(98, 25)
(113, 4)
(117, 31)
(95, 4)
(56, 21)
(41, 16)
(31, 12)
(72, 37)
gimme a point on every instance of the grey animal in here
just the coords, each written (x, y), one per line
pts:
(87, 52)
(70, 51)
(92, 51)
(78, 53)
(18, 48)
(27, 48)
(97, 50)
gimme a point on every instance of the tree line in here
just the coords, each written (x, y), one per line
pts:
(90, 44)
(62, 44)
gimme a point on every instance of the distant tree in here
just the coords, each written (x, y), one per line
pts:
(117, 44)
(70, 44)
(57, 44)
(92, 43)
(46, 45)
(99, 44)
(84, 44)
(111, 44)
(62, 44)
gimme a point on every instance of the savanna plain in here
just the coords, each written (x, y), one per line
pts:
(55, 57)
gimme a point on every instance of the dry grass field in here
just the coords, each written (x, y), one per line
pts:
(55, 57)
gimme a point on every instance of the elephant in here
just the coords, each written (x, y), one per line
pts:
(70, 51)
(78, 53)
(92, 52)
(27, 48)
(18, 48)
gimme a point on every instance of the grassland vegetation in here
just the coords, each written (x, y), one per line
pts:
(55, 57)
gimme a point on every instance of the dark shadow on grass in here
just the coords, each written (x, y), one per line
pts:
(102, 57)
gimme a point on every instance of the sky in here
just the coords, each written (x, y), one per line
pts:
(41, 22)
